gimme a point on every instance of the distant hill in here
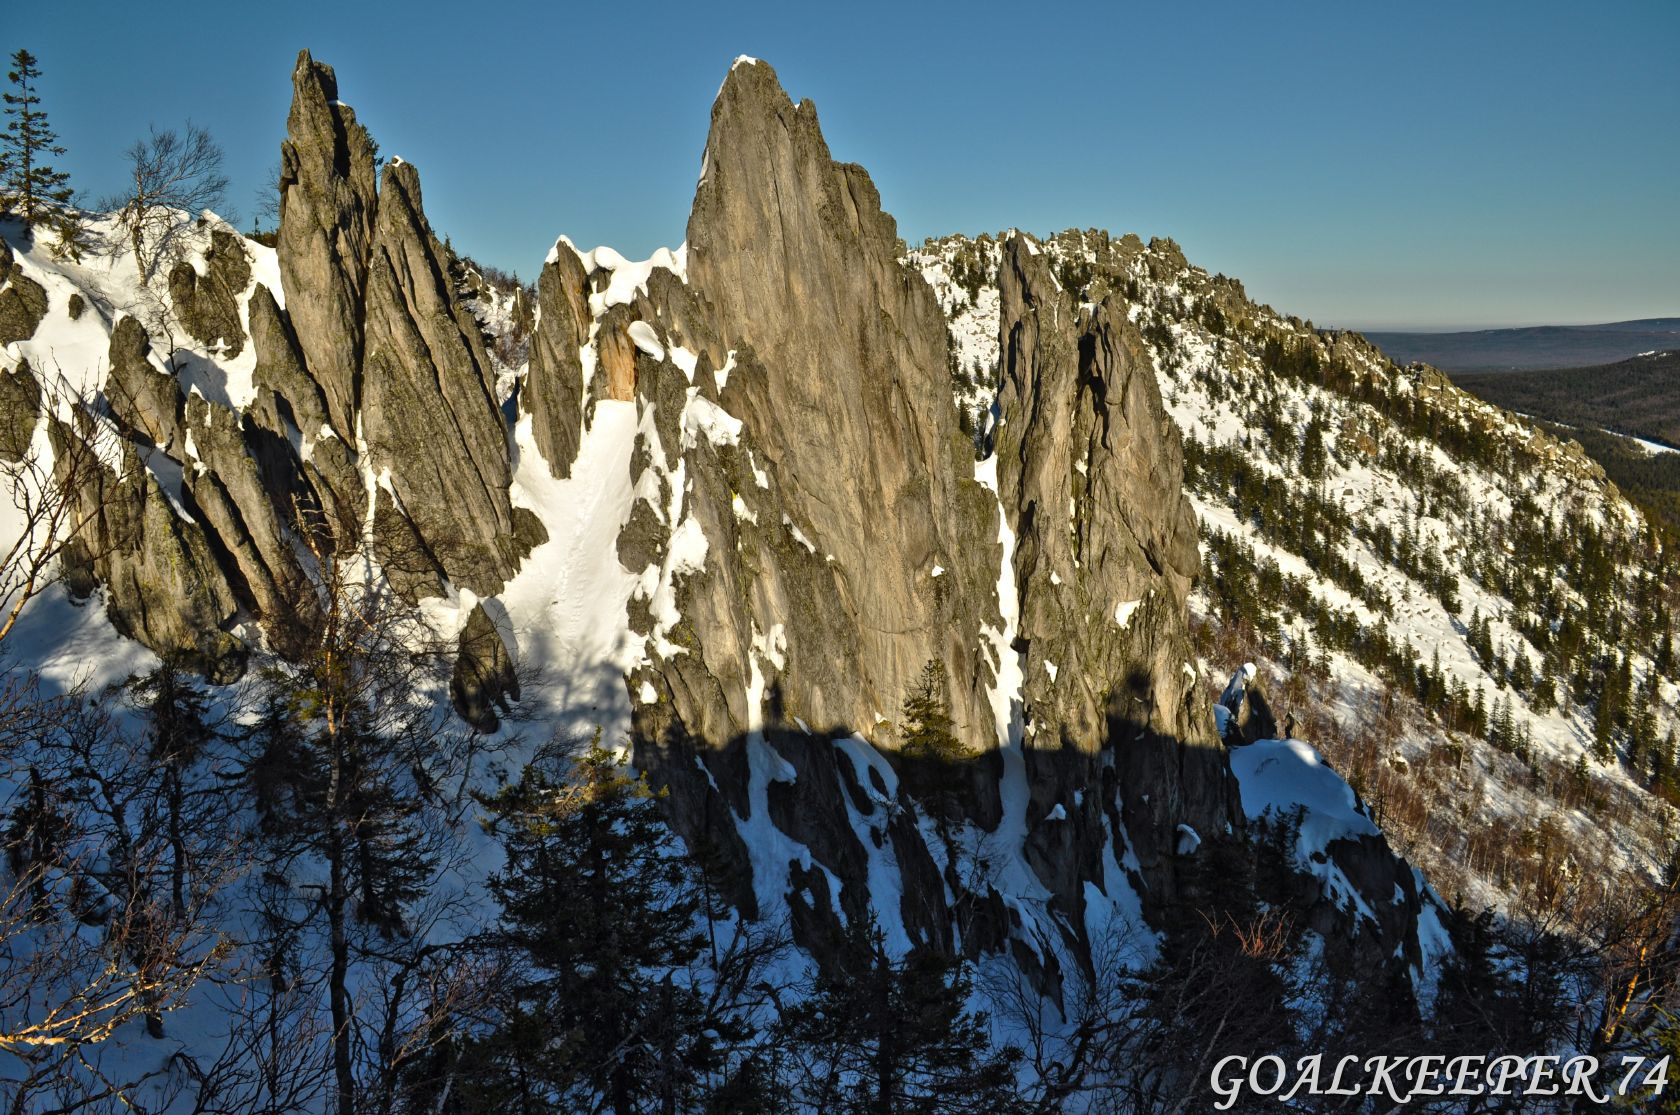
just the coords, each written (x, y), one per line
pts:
(1542, 346)
(1638, 397)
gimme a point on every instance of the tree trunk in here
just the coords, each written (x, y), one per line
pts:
(886, 1043)
(177, 842)
(338, 934)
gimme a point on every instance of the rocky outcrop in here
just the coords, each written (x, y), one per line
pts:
(807, 527)
(208, 305)
(243, 489)
(846, 401)
(290, 405)
(280, 368)
(23, 301)
(146, 400)
(327, 209)
(846, 541)
(553, 392)
(20, 412)
(164, 584)
(1091, 481)
(371, 383)
(429, 411)
(1247, 714)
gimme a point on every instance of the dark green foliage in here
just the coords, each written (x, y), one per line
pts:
(179, 729)
(884, 1037)
(1581, 594)
(1639, 396)
(932, 757)
(929, 732)
(37, 831)
(602, 919)
(29, 186)
(336, 789)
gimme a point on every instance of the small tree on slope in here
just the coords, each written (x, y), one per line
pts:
(169, 172)
(29, 186)
(885, 1037)
(602, 917)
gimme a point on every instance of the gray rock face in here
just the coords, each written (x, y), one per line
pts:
(1091, 479)
(429, 410)
(280, 367)
(553, 392)
(848, 435)
(847, 542)
(374, 341)
(209, 306)
(248, 513)
(145, 399)
(848, 409)
(164, 586)
(20, 411)
(290, 405)
(23, 301)
(327, 207)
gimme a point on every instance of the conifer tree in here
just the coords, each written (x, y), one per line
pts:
(36, 832)
(29, 185)
(345, 766)
(603, 919)
(929, 732)
(885, 1037)
(177, 709)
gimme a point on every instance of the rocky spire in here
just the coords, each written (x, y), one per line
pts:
(372, 318)
(553, 392)
(847, 404)
(327, 210)
(1090, 475)
(429, 412)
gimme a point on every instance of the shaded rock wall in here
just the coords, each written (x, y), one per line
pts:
(1091, 479)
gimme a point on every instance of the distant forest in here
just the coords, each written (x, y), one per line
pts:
(1638, 397)
(1635, 397)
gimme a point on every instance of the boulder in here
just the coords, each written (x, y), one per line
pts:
(23, 301)
(207, 306)
(146, 400)
(484, 679)
(20, 412)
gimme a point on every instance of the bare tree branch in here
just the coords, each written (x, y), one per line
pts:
(174, 175)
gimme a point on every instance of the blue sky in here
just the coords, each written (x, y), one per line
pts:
(1412, 165)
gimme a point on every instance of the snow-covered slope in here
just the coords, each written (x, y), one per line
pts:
(1442, 593)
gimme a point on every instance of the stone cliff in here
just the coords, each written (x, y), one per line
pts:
(807, 529)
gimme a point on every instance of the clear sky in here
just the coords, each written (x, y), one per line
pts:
(1402, 165)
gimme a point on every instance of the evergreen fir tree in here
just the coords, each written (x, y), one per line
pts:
(603, 918)
(343, 764)
(177, 710)
(885, 1037)
(929, 732)
(37, 829)
(1604, 727)
(931, 749)
(29, 186)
